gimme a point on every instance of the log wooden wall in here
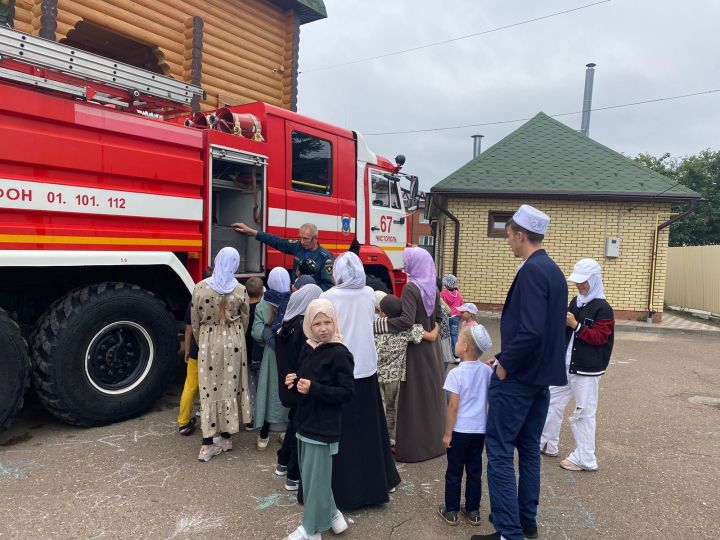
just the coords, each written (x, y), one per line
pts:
(249, 47)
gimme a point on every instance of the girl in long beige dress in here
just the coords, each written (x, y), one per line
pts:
(219, 313)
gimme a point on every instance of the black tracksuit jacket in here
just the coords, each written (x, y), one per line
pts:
(329, 368)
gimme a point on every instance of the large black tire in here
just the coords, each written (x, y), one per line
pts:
(14, 369)
(376, 284)
(103, 353)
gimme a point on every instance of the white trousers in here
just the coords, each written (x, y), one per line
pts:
(582, 421)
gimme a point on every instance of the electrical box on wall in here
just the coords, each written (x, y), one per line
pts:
(612, 246)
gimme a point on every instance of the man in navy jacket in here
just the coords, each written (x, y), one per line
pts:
(532, 331)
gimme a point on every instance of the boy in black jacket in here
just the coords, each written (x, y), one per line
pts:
(323, 384)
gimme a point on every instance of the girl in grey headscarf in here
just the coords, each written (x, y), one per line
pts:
(289, 344)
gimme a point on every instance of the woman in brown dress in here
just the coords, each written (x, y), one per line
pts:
(421, 404)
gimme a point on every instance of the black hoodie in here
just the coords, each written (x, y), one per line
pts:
(329, 368)
(290, 342)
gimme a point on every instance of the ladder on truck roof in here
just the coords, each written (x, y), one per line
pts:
(42, 63)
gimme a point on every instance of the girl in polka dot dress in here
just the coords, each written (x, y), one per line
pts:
(219, 313)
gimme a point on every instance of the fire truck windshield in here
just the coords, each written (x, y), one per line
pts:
(385, 190)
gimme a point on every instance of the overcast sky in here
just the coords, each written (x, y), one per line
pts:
(644, 49)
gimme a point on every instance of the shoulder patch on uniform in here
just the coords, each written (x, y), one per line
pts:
(329, 266)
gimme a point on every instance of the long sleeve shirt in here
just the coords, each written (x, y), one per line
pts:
(322, 257)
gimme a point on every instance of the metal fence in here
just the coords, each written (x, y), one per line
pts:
(693, 278)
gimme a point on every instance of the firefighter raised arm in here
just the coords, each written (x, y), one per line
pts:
(305, 247)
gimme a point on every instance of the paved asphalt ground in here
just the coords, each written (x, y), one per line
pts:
(659, 456)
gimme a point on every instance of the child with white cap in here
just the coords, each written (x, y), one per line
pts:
(465, 425)
(590, 335)
(467, 315)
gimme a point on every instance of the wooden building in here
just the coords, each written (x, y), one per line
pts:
(239, 51)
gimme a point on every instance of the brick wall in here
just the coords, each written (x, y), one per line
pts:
(486, 266)
(419, 229)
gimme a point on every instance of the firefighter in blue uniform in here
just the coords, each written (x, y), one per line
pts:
(306, 249)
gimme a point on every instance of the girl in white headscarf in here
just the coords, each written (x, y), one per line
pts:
(219, 315)
(590, 335)
(364, 470)
(269, 314)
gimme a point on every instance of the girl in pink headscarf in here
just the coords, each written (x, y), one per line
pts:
(421, 404)
(323, 383)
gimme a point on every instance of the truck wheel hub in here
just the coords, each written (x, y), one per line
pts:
(119, 357)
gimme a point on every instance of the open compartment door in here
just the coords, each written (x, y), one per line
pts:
(238, 194)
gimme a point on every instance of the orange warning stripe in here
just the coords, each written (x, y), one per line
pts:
(95, 240)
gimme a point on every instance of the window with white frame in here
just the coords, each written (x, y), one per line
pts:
(426, 240)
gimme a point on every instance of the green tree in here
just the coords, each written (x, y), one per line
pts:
(700, 173)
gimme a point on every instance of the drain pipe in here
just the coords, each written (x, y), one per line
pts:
(653, 261)
(456, 242)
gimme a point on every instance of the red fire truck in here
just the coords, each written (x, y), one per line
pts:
(110, 211)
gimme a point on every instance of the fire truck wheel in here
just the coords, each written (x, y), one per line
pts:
(14, 369)
(376, 284)
(103, 353)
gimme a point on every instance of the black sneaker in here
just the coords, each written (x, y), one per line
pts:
(281, 470)
(292, 485)
(189, 428)
(529, 531)
(472, 517)
(493, 536)
(450, 517)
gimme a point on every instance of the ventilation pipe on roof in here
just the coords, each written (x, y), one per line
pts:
(587, 99)
(477, 139)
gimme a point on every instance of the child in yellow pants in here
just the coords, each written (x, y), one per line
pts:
(186, 419)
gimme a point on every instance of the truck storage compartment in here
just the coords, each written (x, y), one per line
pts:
(237, 196)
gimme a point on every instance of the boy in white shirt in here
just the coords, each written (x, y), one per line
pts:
(465, 425)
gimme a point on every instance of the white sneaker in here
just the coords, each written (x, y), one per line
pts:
(207, 452)
(301, 534)
(262, 444)
(224, 444)
(339, 525)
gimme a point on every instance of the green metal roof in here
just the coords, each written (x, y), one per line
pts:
(546, 158)
(307, 10)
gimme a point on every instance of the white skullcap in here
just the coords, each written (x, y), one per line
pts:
(532, 219)
(481, 337)
(583, 269)
(379, 295)
(470, 308)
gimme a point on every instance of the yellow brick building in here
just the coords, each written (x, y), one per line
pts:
(593, 196)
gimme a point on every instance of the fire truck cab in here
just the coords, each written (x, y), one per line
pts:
(114, 199)
(306, 171)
